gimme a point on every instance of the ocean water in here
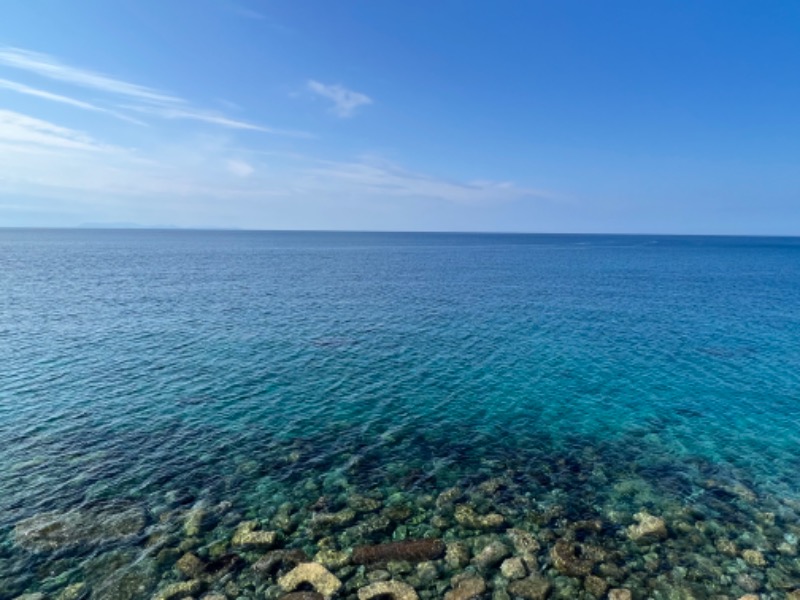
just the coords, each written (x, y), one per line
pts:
(277, 376)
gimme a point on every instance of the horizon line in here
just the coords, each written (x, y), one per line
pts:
(175, 228)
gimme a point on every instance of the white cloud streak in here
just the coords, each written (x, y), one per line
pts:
(148, 100)
(345, 102)
(47, 66)
(19, 129)
(191, 114)
(20, 88)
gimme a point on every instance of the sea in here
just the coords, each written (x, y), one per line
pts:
(628, 404)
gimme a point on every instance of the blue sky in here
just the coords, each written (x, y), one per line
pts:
(657, 117)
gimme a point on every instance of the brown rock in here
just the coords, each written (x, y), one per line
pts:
(457, 555)
(388, 590)
(246, 536)
(565, 559)
(530, 588)
(513, 568)
(523, 541)
(491, 554)
(467, 517)
(619, 594)
(595, 585)
(648, 528)
(754, 558)
(407, 550)
(189, 565)
(467, 588)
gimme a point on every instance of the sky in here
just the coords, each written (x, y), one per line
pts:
(413, 115)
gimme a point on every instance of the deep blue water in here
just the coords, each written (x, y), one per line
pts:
(174, 367)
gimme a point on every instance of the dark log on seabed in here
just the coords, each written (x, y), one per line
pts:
(409, 550)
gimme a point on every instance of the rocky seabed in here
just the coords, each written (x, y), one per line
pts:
(490, 540)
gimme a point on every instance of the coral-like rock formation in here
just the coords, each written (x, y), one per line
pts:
(314, 574)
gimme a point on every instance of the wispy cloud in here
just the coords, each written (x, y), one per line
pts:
(239, 168)
(192, 114)
(146, 100)
(47, 66)
(17, 129)
(376, 177)
(345, 102)
(45, 95)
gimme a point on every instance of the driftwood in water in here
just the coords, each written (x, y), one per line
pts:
(409, 550)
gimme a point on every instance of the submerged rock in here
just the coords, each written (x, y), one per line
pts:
(332, 559)
(323, 521)
(492, 554)
(467, 588)
(523, 541)
(754, 558)
(620, 594)
(595, 585)
(387, 590)
(363, 504)
(648, 528)
(407, 550)
(76, 591)
(183, 589)
(513, 568)
(58, 530)
(246, 536)
(302, 596)
(566, 560)
(313, 574)
(467, 517)
(272, 561)
(530, 588)
(457, 555)
(189, 565)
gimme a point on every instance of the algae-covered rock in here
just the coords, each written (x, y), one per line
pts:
(754, 558)
(595, 585)
(523, 541)
(456, 555)
(387, 590)
(491, 555)
(184, 589)
(31, 596)
(332, 559)
(313, 574)
(363, 504)
(620, 594)
(466, 516)
(189, 565)
(58, 530)
(513, 568)
(76, 591)
(530, 588)
(565, 558)
(247, 536)
(324, 520)
(302, 596)
(467, 588)
(648, 528)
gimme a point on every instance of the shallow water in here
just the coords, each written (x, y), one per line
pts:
(594, 376)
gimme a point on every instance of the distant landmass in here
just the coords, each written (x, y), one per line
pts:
(126, 225)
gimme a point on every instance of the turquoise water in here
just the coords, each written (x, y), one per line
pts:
(596, 376)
